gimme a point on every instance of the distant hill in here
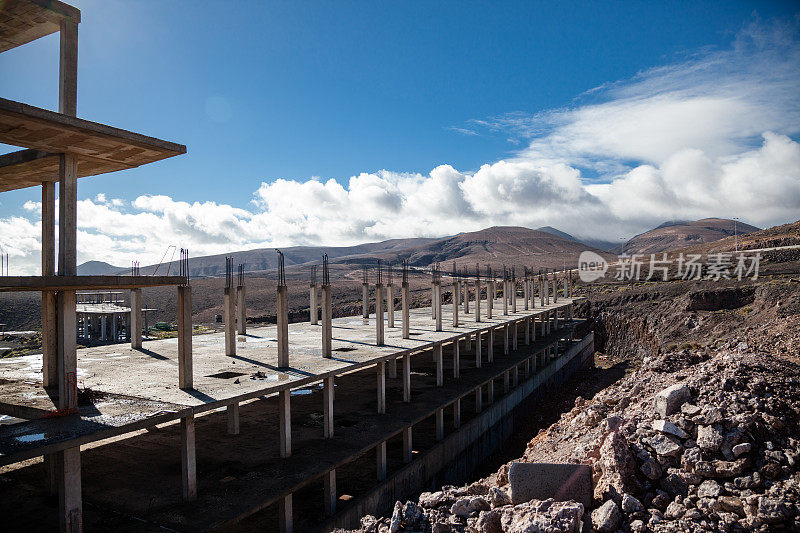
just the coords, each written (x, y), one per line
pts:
(557, 232)
(607, 246)
(98, 268)
(674, 235)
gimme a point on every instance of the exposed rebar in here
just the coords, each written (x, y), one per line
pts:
(326, 279)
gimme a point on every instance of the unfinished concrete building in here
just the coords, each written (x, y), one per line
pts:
(294, 426)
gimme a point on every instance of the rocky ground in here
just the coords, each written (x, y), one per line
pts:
(704, 435)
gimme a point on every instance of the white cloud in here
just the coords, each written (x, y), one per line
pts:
(707, 136)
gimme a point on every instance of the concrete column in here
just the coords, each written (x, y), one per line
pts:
(49, 325)
(456, 297)
(555, 319)
(285, 514)
(232, 411)
(103, 333)
(569, 312)
(327, 318)
(457, 413)
(114, 329)
(365, 302)
(533, 328)
(390, 303)
(392, 367)
(379, 332)
(544, 323)
(527, 368)
(546, 291)
(527, 331)
(513, 296)
(285, 416)
(549, 320)
(440, 424)
(490, 295)
(283, 326)
(188, 460)
(437, 294)
(505, 382)
(406, 378)
(505, 338)
(456, 359)
(136, 318)
(478, 400)
(330, 492)
(404, 297)
(490, 392)
(381, 371)
(67, 465)
(565, 289)
(525, 291)
(313, 313)
(229, 316)
(241, 310)
(477, 301)
(327, 407)
(466, 297)
(490, 350)
(380, 452)
(407, 445)
(515, 376)
(505, 296)
(67, 352)
(437, 356)
(185, 366)
(515, 336)
(128, 326)
(478, 348)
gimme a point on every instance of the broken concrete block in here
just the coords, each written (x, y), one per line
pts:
(669, 400)
(541, 481)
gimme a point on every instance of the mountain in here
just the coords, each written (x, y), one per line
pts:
(557, 232)
(499, 245)
(674, 235)
(98, 268)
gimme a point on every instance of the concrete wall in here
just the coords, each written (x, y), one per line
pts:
(470, 445)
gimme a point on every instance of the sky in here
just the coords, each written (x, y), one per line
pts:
(336, 123)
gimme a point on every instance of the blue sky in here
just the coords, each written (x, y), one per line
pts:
(261, 91)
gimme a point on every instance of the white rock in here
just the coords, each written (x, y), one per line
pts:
(665, 426)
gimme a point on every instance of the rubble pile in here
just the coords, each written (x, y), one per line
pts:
(693, 440)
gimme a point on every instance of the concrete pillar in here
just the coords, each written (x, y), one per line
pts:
(569, 312)
(406, 378)
(185, 366)
(440, 424)
(515, 376)
(67, 465)
(543, 317)
(527, 368)
(232, 410)
(437, 356)
(381, 371)
(505, 382)
(555, 319)
(491, 292)
(330, 492)
(128, 326)
(513, 296)
(456, 359)
(283, 326)
(490, 392)
(533, 328)
(404, 296)
(114, 328)
(229, 316)
(241, 310)
(525, 292)
(313, 313)
(478, 400)
(490, 350)
(327, 319)
(505, 296)
(466, 297)
(285, 514)
(505, 338)
(549, 320)
(407, 445)
(365, 302)
(188, 460)
(527, 331)
(515, 336)
(103, 333)
(478, 348)
(565, 289)
(327, 407)
(67, 352)
(285, 416)
(546, 291)
(49, 325)
(437, 294)
(136, 318)
(380, 452)
(392, 367)
(390, 303)
(379, 331)
(477, 300)
(456, 297)
(457, 413)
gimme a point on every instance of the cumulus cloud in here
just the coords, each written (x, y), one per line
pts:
(710, 135)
